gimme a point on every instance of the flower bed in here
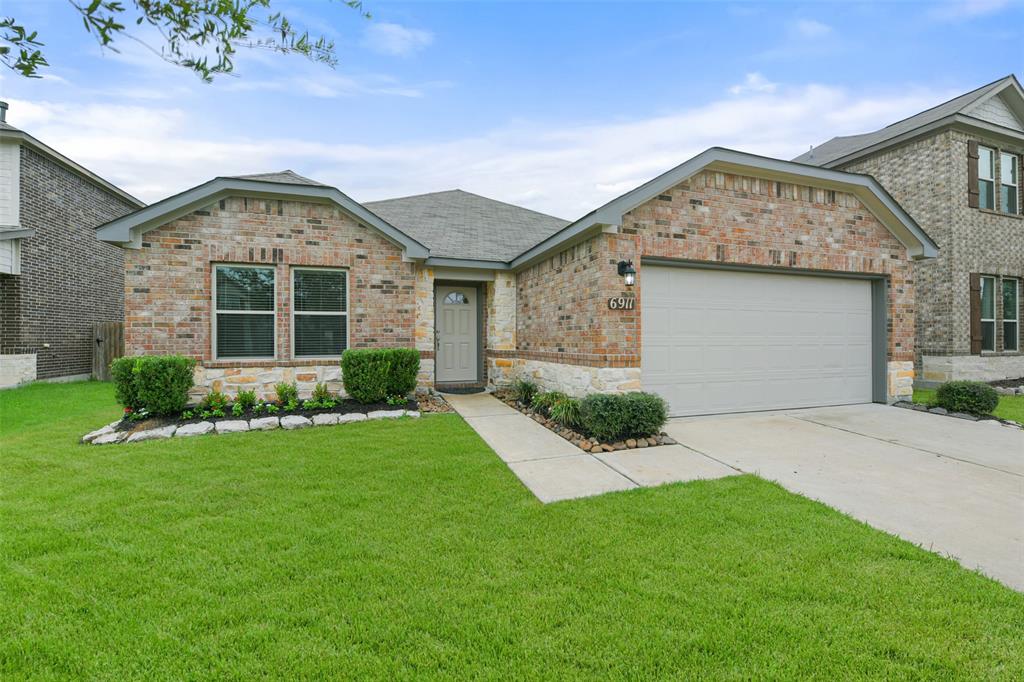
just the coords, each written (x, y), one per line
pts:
(544, 409)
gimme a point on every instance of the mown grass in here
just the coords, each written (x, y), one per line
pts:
(1010, 406)
(408, 549)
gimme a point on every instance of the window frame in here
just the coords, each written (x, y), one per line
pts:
(216, 311)
(1016, 312)
(995, 313)
(993, 157)
(1015, 165)
(345, 303)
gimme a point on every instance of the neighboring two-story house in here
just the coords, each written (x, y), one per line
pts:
(56, 277)
(956, 168)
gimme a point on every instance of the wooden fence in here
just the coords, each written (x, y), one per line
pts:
(108, 345)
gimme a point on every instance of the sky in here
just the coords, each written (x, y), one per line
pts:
(557, 106)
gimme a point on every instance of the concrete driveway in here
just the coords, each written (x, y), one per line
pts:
(952, 486)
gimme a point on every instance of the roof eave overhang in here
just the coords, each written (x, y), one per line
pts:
(24, 138)
(969, 123)
(867, 189)
(128, 230)
(21, 233)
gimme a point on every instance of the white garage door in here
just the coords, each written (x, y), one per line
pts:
(726, 341)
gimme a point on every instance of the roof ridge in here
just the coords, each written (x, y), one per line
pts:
(472, 194)
(942, 104)
(414, 196)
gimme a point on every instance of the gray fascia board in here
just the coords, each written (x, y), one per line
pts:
(71, 165)
(471, 263)
(16, 234)
(920, 245)
(124, 230)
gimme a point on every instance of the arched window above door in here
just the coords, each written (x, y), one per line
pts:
(456, 298)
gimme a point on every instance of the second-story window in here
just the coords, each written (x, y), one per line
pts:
(986, 178)
(1009, 183)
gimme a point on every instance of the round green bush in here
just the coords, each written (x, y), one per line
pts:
(372, 375)
(972, 397)
(611, 417)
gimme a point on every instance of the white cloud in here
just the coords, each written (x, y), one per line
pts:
(953, 10)
(753, 82)
(809, 28)
(565, 169)
(395, 39)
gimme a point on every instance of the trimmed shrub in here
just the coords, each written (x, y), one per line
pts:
(122, 370)
(213, 401)
(247, 399)
(371, 375)
(523, 390)
(972, 397)
(162, 382)
(611, 417)
(286, 392)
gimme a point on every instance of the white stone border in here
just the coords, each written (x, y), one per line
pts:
(107, 435)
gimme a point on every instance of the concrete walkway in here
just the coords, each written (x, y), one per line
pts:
(554, 469)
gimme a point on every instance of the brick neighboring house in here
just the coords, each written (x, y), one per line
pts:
(759, 283)
(56, 278)
(956, 168)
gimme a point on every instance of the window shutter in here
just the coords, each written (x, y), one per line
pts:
(972, 174)
(1020, 184)
(975, 313)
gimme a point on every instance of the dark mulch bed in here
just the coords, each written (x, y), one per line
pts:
(580, 440)
(345, 406)
(1007, 383)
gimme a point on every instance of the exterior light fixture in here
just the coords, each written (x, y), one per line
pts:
(627, 272)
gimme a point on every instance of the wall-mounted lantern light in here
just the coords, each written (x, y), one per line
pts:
(627, 272)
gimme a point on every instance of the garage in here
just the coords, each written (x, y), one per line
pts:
(724, 340)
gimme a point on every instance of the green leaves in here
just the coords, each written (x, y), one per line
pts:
(199, 35)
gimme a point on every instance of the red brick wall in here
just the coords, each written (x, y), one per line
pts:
(562, 308)
(167, 282)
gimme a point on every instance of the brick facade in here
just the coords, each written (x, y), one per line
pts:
(714, 217)
(168, 283)
(69, 279)
(928, 177)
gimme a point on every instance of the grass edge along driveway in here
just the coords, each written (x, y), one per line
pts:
(402, 549)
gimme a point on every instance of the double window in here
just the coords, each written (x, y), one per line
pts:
(245, 312)
(989, 316)
(998, 180)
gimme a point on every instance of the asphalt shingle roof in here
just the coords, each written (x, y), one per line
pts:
(838, 147)
(288, 177)
(458, 224)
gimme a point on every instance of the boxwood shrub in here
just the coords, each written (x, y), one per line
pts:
(972, 397)
(158, 384)
(611, 417)
(371, 375)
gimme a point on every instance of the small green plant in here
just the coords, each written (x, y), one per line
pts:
(217, 413)
(542, 402)
(214, 400)
(247, 399)
(205, 414)
(566, 411)
(972, 397)
(523, 390)
(272, 408)
(321, 399)
(396, 400)
(286, 392)
(237, 410)
(291, 405)
(258, 408)
(188, 414)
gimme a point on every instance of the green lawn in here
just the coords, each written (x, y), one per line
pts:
(407, 549)
(1010, 406)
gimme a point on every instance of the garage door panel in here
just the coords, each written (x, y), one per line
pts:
(723, 341)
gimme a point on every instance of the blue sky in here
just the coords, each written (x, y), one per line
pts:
(555, 106)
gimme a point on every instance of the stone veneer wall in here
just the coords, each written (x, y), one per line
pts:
(562, 316)
(168, 285)
(69, 279)
(928, 178)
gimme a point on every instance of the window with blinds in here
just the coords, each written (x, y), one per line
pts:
(319, 312)
(244, 311)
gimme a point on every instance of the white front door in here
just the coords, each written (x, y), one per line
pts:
(728, 341)
(456, 333)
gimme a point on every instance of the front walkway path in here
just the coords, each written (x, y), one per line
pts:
(555, 469)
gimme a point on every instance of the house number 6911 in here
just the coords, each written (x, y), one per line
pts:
(621, 303)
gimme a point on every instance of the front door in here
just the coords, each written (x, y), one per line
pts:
(456, 334)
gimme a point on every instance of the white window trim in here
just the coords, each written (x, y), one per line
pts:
(1015, 164)
(348, 327)
(995, 330)
(213, 305)
(991, 177)
(1016, 320)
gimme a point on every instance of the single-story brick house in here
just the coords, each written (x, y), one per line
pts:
(759, 284)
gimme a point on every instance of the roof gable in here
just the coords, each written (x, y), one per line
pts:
(986, 100)
(997, 109)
